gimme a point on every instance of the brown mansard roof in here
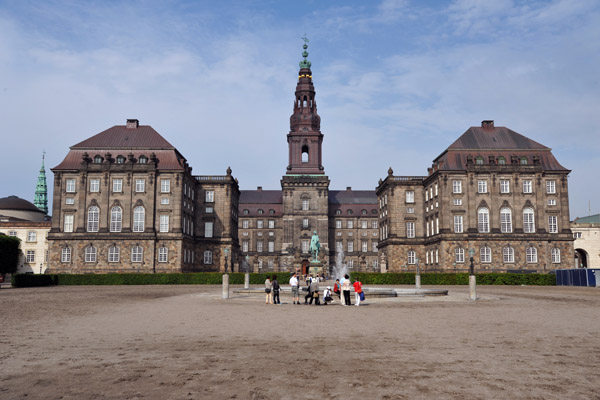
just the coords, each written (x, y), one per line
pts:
(480, 141)
(121, 137)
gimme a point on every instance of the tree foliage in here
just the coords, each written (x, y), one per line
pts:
(9, 254)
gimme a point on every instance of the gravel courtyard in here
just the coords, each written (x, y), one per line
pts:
(185, 342)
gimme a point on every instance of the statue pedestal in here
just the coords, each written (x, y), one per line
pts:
(315, 267)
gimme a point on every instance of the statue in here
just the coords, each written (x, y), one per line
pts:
(315, 246)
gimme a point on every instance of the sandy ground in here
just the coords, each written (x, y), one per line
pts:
(184, 342)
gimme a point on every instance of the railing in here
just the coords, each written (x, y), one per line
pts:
(211, 177)
(409, 178)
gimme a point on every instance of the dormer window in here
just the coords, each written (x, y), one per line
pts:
(120, 160)
(143, 160)
(523, 160)
(479, 160)
(501, 160)
(98, 160)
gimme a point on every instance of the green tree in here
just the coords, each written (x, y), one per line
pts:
(9, 254)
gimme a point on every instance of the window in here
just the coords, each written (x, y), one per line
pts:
(65, 255)
(165, 185)
(305, 222)
(30, 256)
(363, 225)
(504, 186)
(114, 254)
(350, 224)
(374, 246)
(117, 185)
(501, 160)
(245, 224)
(209, 196)
(137, 254)
(456, 186)
(482, 186)
(120, 160)
(94, 185)
(551, 202)
(271, 224)
(164, 223)
(70, 186)
(208, 229)
(350, 246)
(338, 224)
(209, 210)
(143, 160)
(164, 201)
(259, 246)
(483, 220)
(93, 218)
(437, 225)
(508, 254)
(338, 212)
(140, 185)
(505, 220)
(523, 160)
(208, 257)
(555, 255)
(485, 255)
(553, 224)
(98, 160)
(246, 212)
(410, 229)
(528, 220)
(436, 189)
(163, 255)
(550, 187)
(139, 214)
(116, 219)
(31, 236)
(411, 257)
(69, 200)
(457, 202)
(479, 160)
(458, 224)
(90, 254)
(245, 246)
(271, 212)
(459, 255)
(259, 224)
(577, 235)
(305, 245)
(271, 246)
(527, 188)
(531, 254)
(261, 211)
(305, 204)
(12, 233)
(410, 196)
(374, 224)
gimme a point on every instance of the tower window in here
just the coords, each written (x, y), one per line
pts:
(304, 154)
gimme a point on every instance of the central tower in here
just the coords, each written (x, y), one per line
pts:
(305, 187)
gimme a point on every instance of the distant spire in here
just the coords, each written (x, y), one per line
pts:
(41, 190)
(305, 63)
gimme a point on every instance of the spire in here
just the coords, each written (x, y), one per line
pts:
(41, 190)
(305, 137)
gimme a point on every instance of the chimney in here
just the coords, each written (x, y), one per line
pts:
(259, 188)
(487, 124)
(348, 188)
(132, 124)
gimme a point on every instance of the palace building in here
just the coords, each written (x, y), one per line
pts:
(125, 200)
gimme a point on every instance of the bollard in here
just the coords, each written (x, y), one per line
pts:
(418, 281)
(473, 287)
(225, 286)
(247, 281)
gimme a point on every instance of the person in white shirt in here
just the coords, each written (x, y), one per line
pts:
(294, 285)
(327, 295)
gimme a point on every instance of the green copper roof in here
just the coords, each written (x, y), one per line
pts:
(305, 63)
(41, 190)
(591, 219)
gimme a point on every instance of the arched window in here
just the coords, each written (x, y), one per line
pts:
(483, 220)
(531, 254)
(304, 154)
(523, 160)
(120, 160)
(508, 254)
(260, 211)
(98, 160)
(479, 160)
(93, 218)
(460, 255)
(271, 211)
(555, 253)
(485, 254)
(338, 212)
(501, 160)
(116, 219)
(114, 254)
(411, 257)
(350, 212)
(246, 212)
(305, 204)
(65, 255)
(163, 254)
(138, 219)
(137, 253)
(505, 220)
(90, 254)
(208, 257)
(143, 160)
(528, 220)
(363, 212)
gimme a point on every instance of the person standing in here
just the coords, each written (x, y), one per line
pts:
(346, 290)
(314, 289)
(294, 286)
(309, 285)
(275, 286)
(268, 299)
(337, 288)
(357, 291)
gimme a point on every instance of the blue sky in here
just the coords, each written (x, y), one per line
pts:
(397, 82)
